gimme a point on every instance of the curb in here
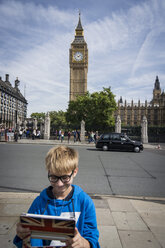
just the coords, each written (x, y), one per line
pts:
(146, 146)
(93, 196)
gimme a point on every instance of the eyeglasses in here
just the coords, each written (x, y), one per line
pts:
(64, 179)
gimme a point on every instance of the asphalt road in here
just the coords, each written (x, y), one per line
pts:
(22, 168)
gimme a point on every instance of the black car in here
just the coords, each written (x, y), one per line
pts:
(118, 141)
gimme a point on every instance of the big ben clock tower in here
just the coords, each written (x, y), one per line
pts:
(78, 64)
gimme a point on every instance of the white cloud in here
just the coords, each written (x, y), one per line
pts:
(126, 50)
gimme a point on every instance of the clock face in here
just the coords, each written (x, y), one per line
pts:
(78, 56)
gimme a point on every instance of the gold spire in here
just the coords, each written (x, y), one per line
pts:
(79, 32)
(79, 28)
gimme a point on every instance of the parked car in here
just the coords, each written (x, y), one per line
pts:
(118, 141)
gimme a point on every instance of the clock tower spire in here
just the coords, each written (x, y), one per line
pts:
(79, 29)
(78, 61)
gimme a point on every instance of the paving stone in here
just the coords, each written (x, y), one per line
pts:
(146, 206)
(118, 205)
(13, 209)
(136, 239)
(109, 237)
(128, 221)
(154, 219)
(7, 195)
(159, 233)
(101, 203)
(6, 241)
(18, 200)
(104, 217)
(6, 223)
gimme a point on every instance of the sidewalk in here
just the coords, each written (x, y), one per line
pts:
(123, 222)
(160, 146)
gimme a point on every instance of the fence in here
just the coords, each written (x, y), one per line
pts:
(155, 134)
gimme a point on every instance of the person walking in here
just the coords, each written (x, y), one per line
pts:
(69, 134)
(59, 134)
(20, 133)
(78, 136)
(34, 134)
(95, 137)
(62, 136)
(15, 136)
(74, 134)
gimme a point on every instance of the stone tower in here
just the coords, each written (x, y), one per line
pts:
(78, 64)
(156, 91)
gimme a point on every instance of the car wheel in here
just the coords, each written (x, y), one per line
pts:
(136, 149)
(105, 147)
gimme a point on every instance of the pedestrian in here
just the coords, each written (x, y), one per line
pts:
(20, 134)
(27, 134)
(62, 198)
(6, 131)
(69, 134)
(95, 137)
(15, 136)
(62, 136)
(59, 134)
(88, 134)
(90, 137)
(78, 136)
(38, 134)
(74, 135)
(34, 134)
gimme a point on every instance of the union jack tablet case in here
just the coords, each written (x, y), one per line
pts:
(47, 227)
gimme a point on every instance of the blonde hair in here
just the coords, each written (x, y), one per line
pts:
(61, 159)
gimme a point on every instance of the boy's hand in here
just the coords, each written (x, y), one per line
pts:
(78, 241)
(22, 232)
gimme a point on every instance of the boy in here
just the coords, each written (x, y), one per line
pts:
(63, 198)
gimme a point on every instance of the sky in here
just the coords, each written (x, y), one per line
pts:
(126, 47)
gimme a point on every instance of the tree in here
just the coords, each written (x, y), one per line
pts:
(58, 120)
(77, 111)
(95, 109)
(38, 116)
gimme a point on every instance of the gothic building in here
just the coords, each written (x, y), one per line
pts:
(13, 105)
(132, 113)
(78, 60)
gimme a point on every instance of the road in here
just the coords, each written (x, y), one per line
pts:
(22, 169)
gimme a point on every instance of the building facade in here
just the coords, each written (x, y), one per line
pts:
(131, 114)
(13, 105)
(78, 59)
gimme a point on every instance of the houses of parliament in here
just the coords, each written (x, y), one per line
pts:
(132, 113)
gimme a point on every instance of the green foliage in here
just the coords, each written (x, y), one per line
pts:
(58, 120)
(95, 109)
(38, 116)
